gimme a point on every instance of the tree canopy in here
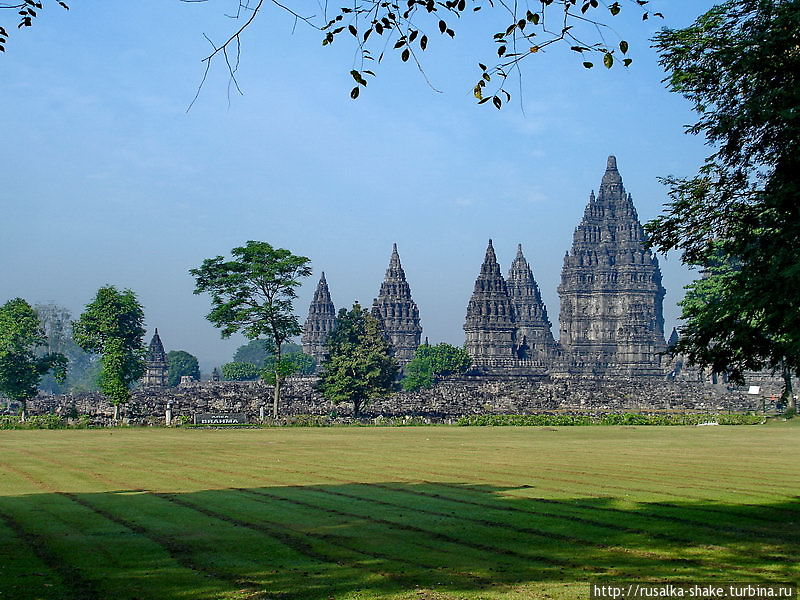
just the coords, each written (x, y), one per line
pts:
(253, 294)
(256, 352)
(376, 27)
(21, 334)
(432, 362)
(181, 364)
(739, 217)
(112, 325)
(240, 371)
(359, 366)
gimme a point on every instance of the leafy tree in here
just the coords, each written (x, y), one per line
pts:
(112, 325)
(739, 217)
(82, 367)
(359, 366)
(293, 362)
(21, 369)
(256, 352)
(374, 27)
(181, 363)
(432, 362)
(239, 371)
(253, 293)
(27, 11)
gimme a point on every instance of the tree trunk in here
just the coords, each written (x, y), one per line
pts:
(23, 414)
(276, 397)
(356, 408)
(788, 394)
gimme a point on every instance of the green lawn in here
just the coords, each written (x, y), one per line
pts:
(414, 513)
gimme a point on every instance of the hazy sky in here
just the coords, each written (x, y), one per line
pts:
(107, 179)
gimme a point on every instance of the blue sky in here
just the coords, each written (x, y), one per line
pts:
(107, 179)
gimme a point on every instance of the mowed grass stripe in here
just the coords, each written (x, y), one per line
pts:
(566, 524)
(203, 558)
(549, 534)
(571, 507)
(573, 486)
(181, 553)
(757, 527)
(587, 539)
(550, 473)
(328, 469)
(348, 554)
(30, 569)
(774, 553)
(278, 530)
(725, 514)
(95, 552)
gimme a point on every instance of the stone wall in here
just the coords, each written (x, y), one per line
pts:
(449, 399)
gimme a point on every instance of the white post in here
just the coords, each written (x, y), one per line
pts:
(169, 413)
(261, 412)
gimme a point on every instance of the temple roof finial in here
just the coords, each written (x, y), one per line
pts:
(612, 181)
(491, 257)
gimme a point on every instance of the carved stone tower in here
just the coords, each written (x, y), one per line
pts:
(397, 312)
(534, 336)
(611, 293)
(320, 321)
(490, 326)
(156, 364)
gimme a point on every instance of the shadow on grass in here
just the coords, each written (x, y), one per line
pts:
(319, 542)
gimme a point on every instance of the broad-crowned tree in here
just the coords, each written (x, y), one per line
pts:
(181, 364)
(738, 219)
(359, 365)
(112, 325)
(21, 367)
(432, 362)
(253, 294)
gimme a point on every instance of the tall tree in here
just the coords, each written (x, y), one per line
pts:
(21, 334)
(112, 325)
(359, 366)
(739, 217)
(181, 364)
(253, 294)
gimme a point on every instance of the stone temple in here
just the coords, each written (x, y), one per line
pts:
(156, 364)
(397, 311)
(394, 308)
(320, 321)
(611, 294)
(611, 318)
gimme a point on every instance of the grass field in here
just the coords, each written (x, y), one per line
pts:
(403, 513)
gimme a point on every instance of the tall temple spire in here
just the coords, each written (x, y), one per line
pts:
(490, 326)
(534, 336)
(320, 321)
(156, 364)
(611, 293)
(397, 311)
